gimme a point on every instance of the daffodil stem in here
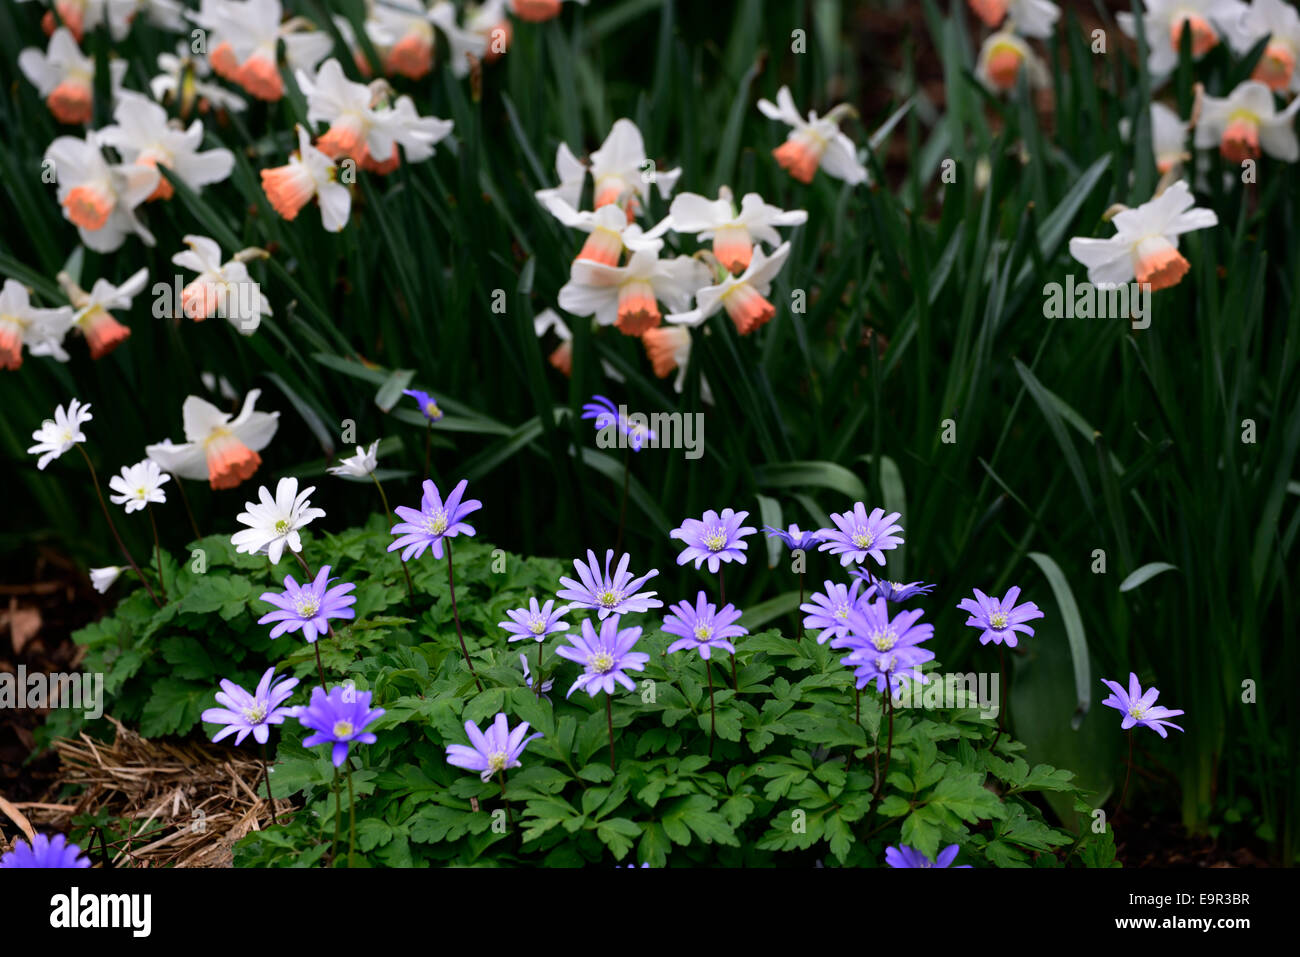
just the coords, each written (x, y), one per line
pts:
(410, 592)
(185, 500)
(157, 548)
(94, 480)
(609, 719)
(270, 798)
(451, 586)
(352, 820)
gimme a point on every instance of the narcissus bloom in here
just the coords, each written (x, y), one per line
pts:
(402, 35)
(310, 174)
(828, 610)
(1030, 18)
(274, 523)
(1165, 20)
(609, 231)
(904, 856)
(733, 232)
(359, 466)
(814, 143)
(535, 622)
(1145, 244)
(999, 621)
(102, 331)
(857, 535)
(537, 11)
(339, 718)
(224, 289)
(1245, 122)
(100, 198)
(714, 538)
(101, 579)
(1280, 22)
(45, 852)
(243, 713)
(607, 416)
(608, 594)
(628, 296)
(1002, 56)
(142, 134)
(499, 749)
(703, 627)
(743, 297)
(1168, 137)
(1139, 707)
(65, 77)
(669, 348)
(606, 656)
(183, 80)
(308, 607)
(436, 520)
(561, 357)
(620, 170)
(428, 405)
(217, 447)
(61, 433)
(489, 21)
(138, 486)
(462, 42)
(22, 324)
(242, 39)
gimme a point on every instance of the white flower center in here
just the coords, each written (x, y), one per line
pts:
(435, 523)
(306, 606)
(1137, 711)
(497, 761)
(883, 639)
(601, 663)
(281, 526)
(608, 598)
(537, 625)
(255, 714)
(715, 539)
(862, 540)
(703, 632)
(998, 620)
(342, 729)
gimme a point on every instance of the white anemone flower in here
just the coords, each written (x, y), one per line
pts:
(218, 448)
(359, 466)
(65, 77)
(1145, 244)
(143, 135)
(224, 289)
(274, 523)
(101, 579)
(61, 433)
(21, 324)
(628, 296)
(1245, 124)
(814, 143)
(139, 485)
(98, 197)
(1165, 20)
(733, 232)
(743, 297)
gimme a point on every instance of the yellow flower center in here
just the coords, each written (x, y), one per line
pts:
(862, 540)
(601, 663)
(703, 632)
(255, 714)
(342, 729)
(436, 523)
(497, 761)
(998, 620)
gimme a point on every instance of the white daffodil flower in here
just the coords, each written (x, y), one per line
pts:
(102, 331)
(98, 197)
(669, 348)
(138, 485)
(221, 449)
(224, 289)
(620, 170)
(1165, 20)
(309, 174)
(274, 523)
(1001, 58)
(743, 297)
(1029, 18)
(816, 142)
(242, 39)
(609, 231)
(1168, 137)
(1145, 244)
(21, 324)
(142, 135)
(61, 433)
(1245, 123)
(733, 232)
(628, 296)
(1280, 22)
(65, 77)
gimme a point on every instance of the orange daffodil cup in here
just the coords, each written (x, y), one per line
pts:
(814, 143)
(65, 77)
(102, 331)
(217, 447)
(242, 37)
(1245, 124)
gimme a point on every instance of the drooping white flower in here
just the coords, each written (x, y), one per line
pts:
(98, 197)
(92, 317)
(224, 289)
(1029, 18)
(401, 33)
(1002, 57)
(61, 433)
(101, 579)
(816, 142)
(273, 523)
(1145, 244)
(669, 348)
(1246, 122)
(118, 15)
(309, 174)
(65, 77)
(221, 449)
(561, 357)
(143, 135)
(138, 485)
(743, 297)
(1168, 137)
(359, 466)
(609, 231)
(183, 78)
(490, 21)
(242, 39)
(1280, 22)
(628, 296)
(733, 232)
(21, 324)
(1165, 20)
(620, 172)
